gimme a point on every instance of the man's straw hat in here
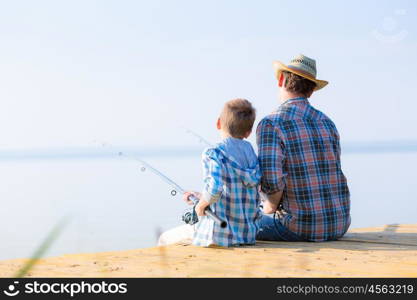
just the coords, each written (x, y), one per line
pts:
(302, 66)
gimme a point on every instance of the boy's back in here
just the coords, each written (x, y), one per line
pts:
(231, 177)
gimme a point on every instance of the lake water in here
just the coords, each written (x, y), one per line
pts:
(113, 205)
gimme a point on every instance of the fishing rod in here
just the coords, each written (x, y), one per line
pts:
(188, 217)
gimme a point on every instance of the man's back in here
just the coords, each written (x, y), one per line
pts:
(299, 152)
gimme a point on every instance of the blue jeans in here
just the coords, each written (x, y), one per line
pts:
(271, 229)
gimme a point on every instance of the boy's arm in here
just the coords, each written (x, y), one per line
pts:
(213, 184)
(271, 160)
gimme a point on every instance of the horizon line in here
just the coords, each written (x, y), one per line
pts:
(87, 152)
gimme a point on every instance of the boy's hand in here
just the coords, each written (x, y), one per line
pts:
(201, 207)
(186, 195)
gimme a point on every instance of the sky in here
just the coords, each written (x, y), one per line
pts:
(81, 73)
(139, 72)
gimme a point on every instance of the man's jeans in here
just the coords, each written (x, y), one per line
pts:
(271, 229)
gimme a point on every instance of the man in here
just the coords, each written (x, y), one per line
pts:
(299, 155)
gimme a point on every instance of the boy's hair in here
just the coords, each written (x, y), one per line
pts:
(237, 117)
(297, 84)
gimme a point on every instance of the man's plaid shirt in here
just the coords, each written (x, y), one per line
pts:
(299, 153)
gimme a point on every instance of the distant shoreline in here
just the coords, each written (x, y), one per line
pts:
(176, 151)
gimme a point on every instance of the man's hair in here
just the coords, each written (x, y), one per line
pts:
(237, 117)
(297, 84)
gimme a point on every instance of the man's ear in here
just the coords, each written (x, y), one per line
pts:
(281, 80)
(219, 124)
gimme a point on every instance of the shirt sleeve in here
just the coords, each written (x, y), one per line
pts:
(338, 148)
(336, 140)
(213, 184)
(271, 158)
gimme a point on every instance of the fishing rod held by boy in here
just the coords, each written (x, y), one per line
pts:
(191, 217)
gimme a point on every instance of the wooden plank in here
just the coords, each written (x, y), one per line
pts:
(361, 254)
(394, 234)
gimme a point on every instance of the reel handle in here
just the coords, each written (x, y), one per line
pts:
(209, 213)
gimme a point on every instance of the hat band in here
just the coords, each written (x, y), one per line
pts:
(301, 71)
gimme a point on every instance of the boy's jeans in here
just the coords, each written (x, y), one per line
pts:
(273, 230)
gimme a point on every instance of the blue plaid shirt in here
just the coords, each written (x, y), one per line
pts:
(299, 153)
(231, 186)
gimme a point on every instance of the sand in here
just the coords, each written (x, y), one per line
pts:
(387, 251)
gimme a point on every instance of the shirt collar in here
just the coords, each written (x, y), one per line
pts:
(292, 100)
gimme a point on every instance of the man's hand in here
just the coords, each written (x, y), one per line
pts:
(269, 208)
(186, 196)
(271, 202)
(201, 207)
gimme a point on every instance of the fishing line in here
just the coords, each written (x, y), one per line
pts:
(146, 166)
(199, 137)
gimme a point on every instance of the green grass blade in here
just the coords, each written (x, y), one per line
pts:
(43, 247)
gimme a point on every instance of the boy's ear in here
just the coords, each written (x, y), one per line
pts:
(281, 80)
(219, 125)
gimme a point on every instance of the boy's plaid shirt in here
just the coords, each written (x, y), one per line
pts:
(235, 198)
(299, 153)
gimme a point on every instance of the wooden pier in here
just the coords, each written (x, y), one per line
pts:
(387, 251)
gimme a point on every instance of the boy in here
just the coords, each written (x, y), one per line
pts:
(231, 178)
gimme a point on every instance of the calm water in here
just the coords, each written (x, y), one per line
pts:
(113, 205)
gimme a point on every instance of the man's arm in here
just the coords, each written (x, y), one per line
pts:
(271, 160)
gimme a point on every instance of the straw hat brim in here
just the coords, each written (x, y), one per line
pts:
(279, 67)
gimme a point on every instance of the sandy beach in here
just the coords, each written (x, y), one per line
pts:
(387, 251)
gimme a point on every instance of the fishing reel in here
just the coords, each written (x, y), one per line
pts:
(190, 217)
